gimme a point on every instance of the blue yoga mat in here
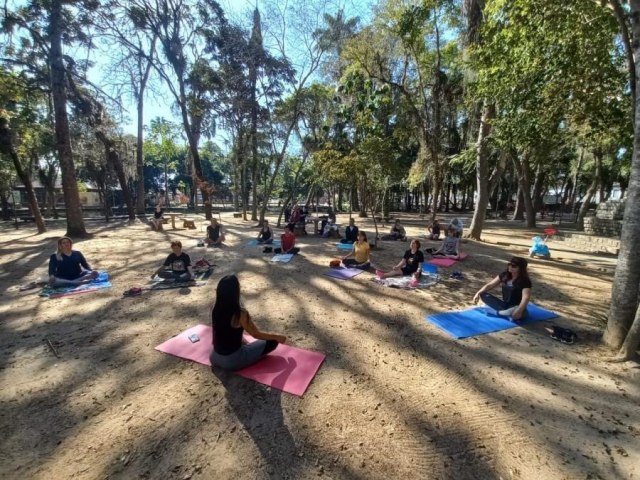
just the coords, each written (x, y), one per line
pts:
(479, 320)
(102, 281)
(254, 243)
(344, 246)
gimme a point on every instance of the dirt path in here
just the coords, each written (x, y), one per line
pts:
(396, 397)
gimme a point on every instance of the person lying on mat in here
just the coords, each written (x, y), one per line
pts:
(288, 242)
(266, 235)
(215, 234)
(69, 267)
(361, 253)
(450, 247)
(229, 320)
(516, 290)
(411, 263)
(177, 266)
(351, 232)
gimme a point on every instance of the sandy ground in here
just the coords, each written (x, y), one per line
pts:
(395, 398)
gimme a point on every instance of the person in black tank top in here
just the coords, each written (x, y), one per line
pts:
(229, 321)
(516, 290)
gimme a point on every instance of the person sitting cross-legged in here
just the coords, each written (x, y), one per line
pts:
(360, 252)
(229, 321)
(215, 234)
(351, 232)
(177, 266)
(266, 235)
(411, 263)
(516, 290)
(69, 267)
(288, 242)
(450, 247)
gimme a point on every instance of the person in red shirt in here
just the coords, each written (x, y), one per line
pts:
(288, 240)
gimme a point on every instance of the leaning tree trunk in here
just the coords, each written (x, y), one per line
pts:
(482, 172)
(624, 296)
(6, 147)
(75, 222)
(518, 211)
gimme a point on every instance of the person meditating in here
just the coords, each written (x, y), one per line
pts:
(177, 266)
(215, 234)
(434, 230)
(361, 253)
(411, 263)
(288, 242)
(69, 267)
(266, 235)
(229, 320)
(397, 232)
(351, 232)
(516, 291)
(450, 247)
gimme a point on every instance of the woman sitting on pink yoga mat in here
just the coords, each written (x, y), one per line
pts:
(516, 290)
(450, 247)
(229, 320)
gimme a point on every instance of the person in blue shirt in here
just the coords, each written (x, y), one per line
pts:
(69, 267)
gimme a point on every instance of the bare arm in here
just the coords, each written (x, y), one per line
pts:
(518, 312)
(488, 286)
(251, 329)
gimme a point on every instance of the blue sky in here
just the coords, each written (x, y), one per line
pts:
(160, 104)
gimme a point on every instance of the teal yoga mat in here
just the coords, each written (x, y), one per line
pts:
(480, 320)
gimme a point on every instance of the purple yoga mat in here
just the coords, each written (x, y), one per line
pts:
(287, 368)
(343, 273)
(445, 262)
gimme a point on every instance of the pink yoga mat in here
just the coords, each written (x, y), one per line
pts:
(445, 262)
(287, 368)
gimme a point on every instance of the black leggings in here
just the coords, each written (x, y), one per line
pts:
(270, 346)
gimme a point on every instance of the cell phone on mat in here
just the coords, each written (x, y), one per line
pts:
(194, 338)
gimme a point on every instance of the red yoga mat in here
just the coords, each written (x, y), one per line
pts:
(445, 262)
(287, 368)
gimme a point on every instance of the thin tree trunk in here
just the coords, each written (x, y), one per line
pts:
(75, 222)
(518, 212)
(482, 172)
(584, 208)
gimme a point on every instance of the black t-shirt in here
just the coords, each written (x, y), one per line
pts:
(178, 263)
(264, 235)
(351, 233)
(227, 339)
(412, 260)
(512, 290)
(213, 233)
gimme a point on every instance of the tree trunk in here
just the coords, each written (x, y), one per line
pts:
(75, 222)
(632, 339)
(113, 158)
(586, 201)
(140, 197)
(6, 147)
(524, 175)
(482, 172)
(624, 296)
(518, 212)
